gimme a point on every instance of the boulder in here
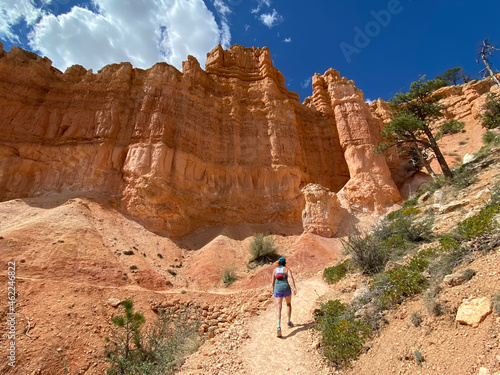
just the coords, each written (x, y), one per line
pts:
(472, 312)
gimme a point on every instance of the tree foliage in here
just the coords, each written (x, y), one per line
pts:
(491, 116)
(128, 343)
(159, 349)
(413, 126)
(451, 76)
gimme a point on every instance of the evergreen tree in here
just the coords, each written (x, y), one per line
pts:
(128, 343)
(451, 76)
(413, 124)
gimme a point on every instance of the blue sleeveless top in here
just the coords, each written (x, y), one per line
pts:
(281, 283)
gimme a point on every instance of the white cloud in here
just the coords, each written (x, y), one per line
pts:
(368, 101)
(287, 40)
(225, 31)
(271, 19)
(260, 4)
(140, 31)
(306, 83)
(13, 12)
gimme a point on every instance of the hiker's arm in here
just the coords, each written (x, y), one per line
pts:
(273, 279)
(294, 288)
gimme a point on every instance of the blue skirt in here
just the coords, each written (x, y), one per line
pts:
(283, 293)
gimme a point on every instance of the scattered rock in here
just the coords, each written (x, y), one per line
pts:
(450, 207)
(469, 158)
(113, 302)
(474, 311)
(456, 278)
(424, 197)
(438, 196)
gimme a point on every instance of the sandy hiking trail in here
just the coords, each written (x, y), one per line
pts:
(252, 347)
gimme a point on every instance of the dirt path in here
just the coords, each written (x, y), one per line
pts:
(251, 346)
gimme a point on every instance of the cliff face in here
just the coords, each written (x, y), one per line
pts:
(179, 151)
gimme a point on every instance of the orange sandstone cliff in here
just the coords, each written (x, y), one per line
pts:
(181, 151)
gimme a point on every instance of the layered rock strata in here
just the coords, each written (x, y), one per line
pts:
(180, 151)
(322, 213)
(370, 180)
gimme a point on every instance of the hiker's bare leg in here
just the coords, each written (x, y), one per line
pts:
(279, 302)
(288, 301)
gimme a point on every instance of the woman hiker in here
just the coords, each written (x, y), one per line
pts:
(282, 289)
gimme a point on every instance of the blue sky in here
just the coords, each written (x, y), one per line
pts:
(382, 45)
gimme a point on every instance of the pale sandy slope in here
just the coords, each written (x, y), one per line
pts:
(251, 345)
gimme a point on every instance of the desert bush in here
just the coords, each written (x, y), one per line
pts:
(468, 274)
(495, 196)
(262, 249)
(491, 138)
(171, 338)
(419, 358)
(452, 126)
(437, 183)
(342, 335)
(479, 224)
(496, 303)
(366, 253)
(490, 119)
(463, 176)
(333, 274)
(228, 276)
(432, 306)
(393, 286)
(394, 237)
(416, 319)
(158, 350)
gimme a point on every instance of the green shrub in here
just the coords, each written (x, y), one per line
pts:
(496, 303)
(464, 176)
(452, 126)
(437, 183)
(366, 253)
(262, 249)
(491, 138)
(392, 238)
(342, 335)
(172, 337)
(416, 319)
(468, 274)
(228, 276)
(159, 350)
(432, 306)
(333, 274)
(495, 196)
(394, 286)
(490, 119)
(126, 354)
(479, 224)
(419, 358)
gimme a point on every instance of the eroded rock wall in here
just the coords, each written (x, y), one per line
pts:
(180, 151)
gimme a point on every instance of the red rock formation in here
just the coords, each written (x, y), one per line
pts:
(322, 213)
(180, 151)
(370, 180)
